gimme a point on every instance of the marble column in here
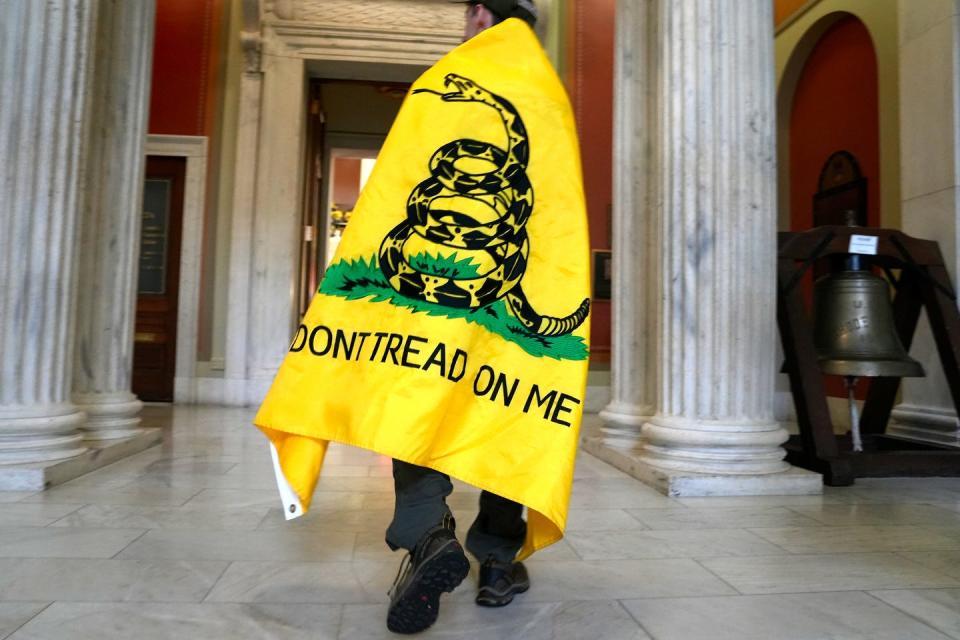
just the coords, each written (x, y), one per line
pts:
(44, 69)
(111, 220)
(244, 211)
(713, 198)
(930, 188)
(274, 259)
(633, 371)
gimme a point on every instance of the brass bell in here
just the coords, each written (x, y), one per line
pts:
(854, 334)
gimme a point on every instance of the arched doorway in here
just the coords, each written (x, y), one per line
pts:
(828, 103)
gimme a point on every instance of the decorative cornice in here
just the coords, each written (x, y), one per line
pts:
(250, 11)
(382, 14)
(250, 35)
(252, 45)
(363, 43)
(173, 145)
(283, 9)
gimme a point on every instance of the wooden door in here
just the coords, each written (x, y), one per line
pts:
(314, 237)
(155, 337)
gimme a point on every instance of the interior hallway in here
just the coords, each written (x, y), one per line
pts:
(186, 540)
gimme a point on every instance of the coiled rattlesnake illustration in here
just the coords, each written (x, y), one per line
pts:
(476, 211)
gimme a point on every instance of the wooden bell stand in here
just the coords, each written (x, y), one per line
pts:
(923, 284)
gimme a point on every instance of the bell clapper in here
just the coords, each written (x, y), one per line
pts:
(851, 383)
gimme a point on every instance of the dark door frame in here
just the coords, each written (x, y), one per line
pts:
(155, 336)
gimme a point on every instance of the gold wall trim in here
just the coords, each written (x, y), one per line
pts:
(796, 15)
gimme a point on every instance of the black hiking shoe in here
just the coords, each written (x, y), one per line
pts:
(436, 565)
(500, 581)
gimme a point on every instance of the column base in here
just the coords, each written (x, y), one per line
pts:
(933, 425)
(680, 445)
(110, 416)
(43, 475)
(621, 426)
(40, 433)
(791, 482)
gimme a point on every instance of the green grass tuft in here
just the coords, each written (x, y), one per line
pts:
(360, 279)
(446, 266)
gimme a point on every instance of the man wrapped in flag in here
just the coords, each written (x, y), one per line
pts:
(450, 331)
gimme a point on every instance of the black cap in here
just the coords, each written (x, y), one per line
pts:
(503, 9)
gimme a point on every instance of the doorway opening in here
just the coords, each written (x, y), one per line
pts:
(347, 122)
(349, 171)
(155, 332)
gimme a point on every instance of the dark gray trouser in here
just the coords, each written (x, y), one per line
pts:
(498, 531)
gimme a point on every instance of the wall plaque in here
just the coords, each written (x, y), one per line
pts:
(154, 232)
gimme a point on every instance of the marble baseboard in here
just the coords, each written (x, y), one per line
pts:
(37, 477)
(933, 425)
(225, 392)
(598, 397)
(926, 435)
(220, 391)
(794, 482)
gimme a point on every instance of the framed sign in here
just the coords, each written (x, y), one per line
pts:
(154, 233)
(602, 274)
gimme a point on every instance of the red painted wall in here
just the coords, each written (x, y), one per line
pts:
(590, 84)
(184, 56)
(835, 107)
(186, 85)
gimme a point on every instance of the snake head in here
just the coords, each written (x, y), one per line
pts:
(465, 89)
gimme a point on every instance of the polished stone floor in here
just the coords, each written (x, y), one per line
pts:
(187, 540)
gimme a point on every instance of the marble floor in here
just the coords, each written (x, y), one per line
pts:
(187, 540)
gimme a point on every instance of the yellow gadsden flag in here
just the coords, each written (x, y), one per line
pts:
(450, 331)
